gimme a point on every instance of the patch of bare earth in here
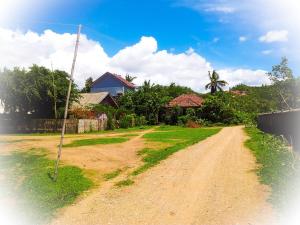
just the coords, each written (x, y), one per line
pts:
(210, 183)
(95, 159)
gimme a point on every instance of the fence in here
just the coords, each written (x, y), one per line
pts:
(284, 123)
(51, 125)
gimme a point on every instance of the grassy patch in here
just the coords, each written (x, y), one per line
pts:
(178, 138)
(129, 135)
(277, 165)
(109, 176)
(28, 181)
(96, 141)
(123, 183)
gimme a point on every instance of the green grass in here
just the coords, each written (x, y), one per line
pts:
(278, 167)
(96, 141)
(123, 183)
(28, 181)
(178, 138)
(109, 176)
(129, 135)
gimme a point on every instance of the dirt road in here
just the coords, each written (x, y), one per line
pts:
(212, 182)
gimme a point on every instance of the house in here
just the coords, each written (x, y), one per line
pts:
(186, 101)
(95, 98)
(112, 83)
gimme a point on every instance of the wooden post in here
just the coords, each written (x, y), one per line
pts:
(67, 106)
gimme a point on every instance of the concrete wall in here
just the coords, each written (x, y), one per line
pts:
(285, 123)
(51, 126)
(86, 125)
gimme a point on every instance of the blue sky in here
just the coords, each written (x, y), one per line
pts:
(229, 35)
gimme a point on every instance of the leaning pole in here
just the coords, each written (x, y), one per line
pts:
(67, 105)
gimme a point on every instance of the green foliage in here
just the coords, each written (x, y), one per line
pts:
(37, 196)
(87, 86)
(129, 78)
(109, 111)
(215, 83)
(123, 183)
(140, 121)
(172, 115)
(109, 176)
(281, 71)
(96, 141)
(150, 100)
(278, 166)
(37, 91)
(178, 137)
(127, 121)
(216, 110)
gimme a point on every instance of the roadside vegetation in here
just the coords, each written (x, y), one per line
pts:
(28, 182)
(45, 98)
(176, 138)
(123, 183)
(112, 175)
(96, 141)
(278, 167)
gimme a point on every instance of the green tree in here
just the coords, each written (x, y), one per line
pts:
(150, 100)
(281, 71)
(88, 85)
(284, 83)
(31, 92)
(129, 78)
(215, 83)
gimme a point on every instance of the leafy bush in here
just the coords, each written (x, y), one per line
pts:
(140, 121)
(215, 110)
(127, 121)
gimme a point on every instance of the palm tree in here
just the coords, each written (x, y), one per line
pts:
(215, 84)
(129, 78)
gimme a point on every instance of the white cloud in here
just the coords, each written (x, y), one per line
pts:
(275, 36)
(142, 59)
(245, 76)
(259, 17)
(267, 52)
(243, 38)
(221, 9)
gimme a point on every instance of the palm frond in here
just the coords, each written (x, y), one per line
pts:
(208, 86)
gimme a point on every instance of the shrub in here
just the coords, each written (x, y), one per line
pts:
(140, 121)
(216, 111)
(127, 121)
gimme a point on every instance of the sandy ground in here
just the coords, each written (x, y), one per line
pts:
(212, 182)
(96, 159)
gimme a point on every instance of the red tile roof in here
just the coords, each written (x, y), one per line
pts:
(127, 83)
(186, 101)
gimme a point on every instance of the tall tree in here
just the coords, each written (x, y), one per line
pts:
(129, 78)
(88, 85)
(215, 83)
(31, 92)
(284, 83)
(281, 72)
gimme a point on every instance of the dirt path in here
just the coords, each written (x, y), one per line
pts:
(98, 158)
(212, 182)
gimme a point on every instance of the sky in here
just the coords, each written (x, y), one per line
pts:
(160, 40)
